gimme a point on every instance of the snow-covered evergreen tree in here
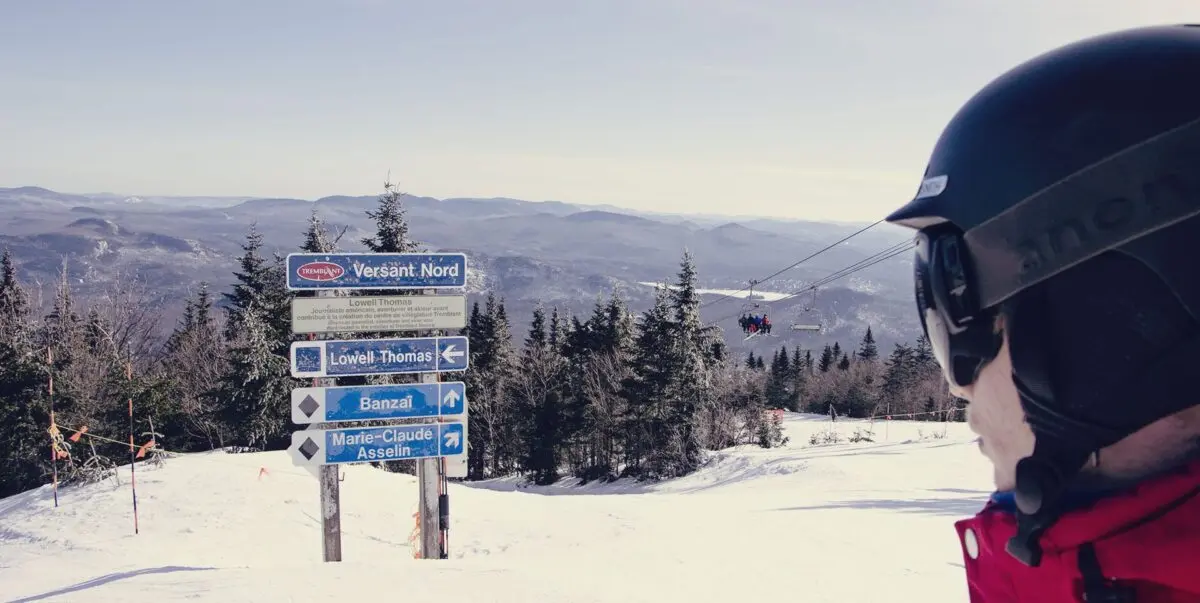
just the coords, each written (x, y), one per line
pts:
(257, 388)
(391, 224)
(23, 416)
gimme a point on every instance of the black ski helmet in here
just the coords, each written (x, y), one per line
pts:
(1065, 195)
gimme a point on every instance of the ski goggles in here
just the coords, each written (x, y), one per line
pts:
(961, 335)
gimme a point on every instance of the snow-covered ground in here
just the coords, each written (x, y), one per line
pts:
(839, 523)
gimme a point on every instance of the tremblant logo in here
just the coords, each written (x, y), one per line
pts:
(320, 271)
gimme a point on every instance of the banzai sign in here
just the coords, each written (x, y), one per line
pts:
(447, 400)
(308, 271)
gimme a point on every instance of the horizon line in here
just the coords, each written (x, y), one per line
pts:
(246, 198)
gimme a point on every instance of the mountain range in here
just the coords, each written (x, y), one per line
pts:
(529, 252)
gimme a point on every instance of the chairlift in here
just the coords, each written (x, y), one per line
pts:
(754, 308)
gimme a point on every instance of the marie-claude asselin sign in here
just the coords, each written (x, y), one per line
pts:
(378, 313)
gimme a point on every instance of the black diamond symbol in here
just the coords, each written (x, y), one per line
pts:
(308, 406)
(309, 448)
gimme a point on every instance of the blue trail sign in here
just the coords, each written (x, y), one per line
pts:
(343, 358)
(366, 444)
(379, 402)
(309, 271)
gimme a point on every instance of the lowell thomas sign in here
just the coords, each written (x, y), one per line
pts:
(306, 271)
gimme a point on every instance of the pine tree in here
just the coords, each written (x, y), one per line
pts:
(620, 327)
(62, 325)
(558, 329)
(827, 359)
(646, 420)
(537, 338)
(868, 351)
(317, 238)
(688, 391)
(255, 391)
(844, 364)
(686, 301)
(779, 381)
(23, 410)
(186, 324)
(899, 376)
(501, 372)
(538, 389)
(391, 225)
(489, 380)
(598, 351)
(257, 388)
(252, 289)
(14, 302)
(923, 353)
(391, 236)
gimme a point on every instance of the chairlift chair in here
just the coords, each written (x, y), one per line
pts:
(809, 326)
(753, 307)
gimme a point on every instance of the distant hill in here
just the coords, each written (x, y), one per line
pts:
(529, 252)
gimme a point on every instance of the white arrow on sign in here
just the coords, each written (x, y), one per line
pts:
(451, 398)
(452, 439)
(450, 354)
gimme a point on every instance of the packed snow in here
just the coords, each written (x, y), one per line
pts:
(838, 523)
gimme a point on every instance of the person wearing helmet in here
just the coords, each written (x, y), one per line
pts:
(1057, 275)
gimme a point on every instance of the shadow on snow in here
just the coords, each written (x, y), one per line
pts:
(108, 578)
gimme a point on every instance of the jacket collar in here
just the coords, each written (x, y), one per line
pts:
(1096, 513)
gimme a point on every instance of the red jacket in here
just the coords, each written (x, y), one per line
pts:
(1146, 541)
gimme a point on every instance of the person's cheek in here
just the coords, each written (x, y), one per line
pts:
(995, 414)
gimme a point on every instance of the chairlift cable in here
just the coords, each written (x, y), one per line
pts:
(863, 264)
(781, 271)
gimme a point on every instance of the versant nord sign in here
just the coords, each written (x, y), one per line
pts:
(376, 271)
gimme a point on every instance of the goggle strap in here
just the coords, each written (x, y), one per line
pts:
(1138, 191)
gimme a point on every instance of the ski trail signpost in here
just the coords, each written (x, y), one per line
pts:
(437, 443)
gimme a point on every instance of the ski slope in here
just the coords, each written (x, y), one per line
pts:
(837, 523)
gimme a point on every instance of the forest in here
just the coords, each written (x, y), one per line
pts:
(86, 386)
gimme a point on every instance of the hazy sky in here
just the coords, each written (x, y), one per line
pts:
(793, 108)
